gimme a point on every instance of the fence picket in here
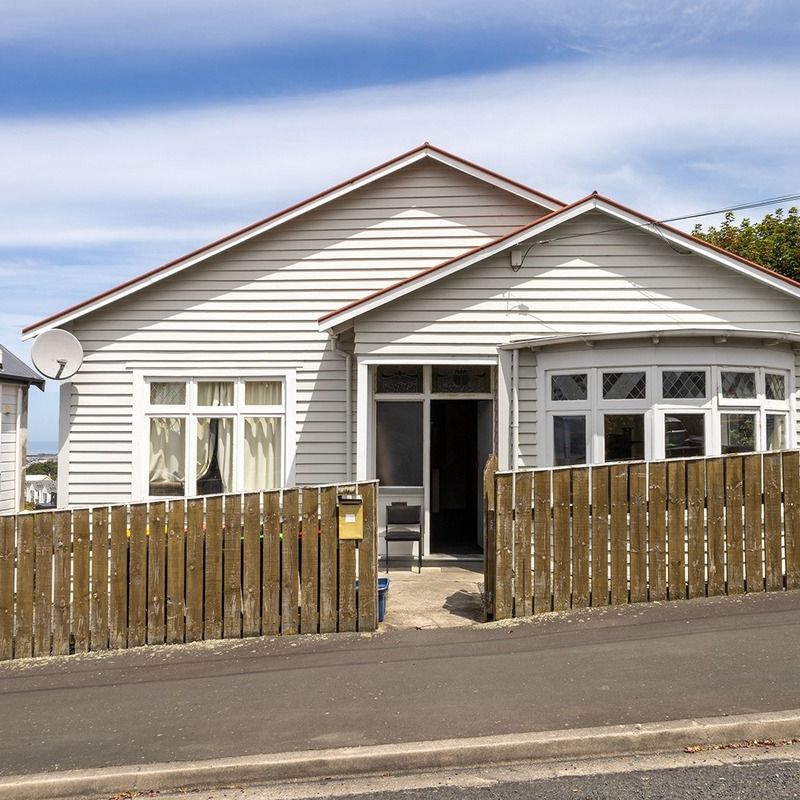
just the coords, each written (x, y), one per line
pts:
(580, 537)
(715, 501)
(734, 529)
(62, 578)
(676, 529)
(251, 565)
(619, 534)
(754, 576)
(772, 522)
(175, 592)
(599, 533)
(290, 573)
(542, 588)
(80, 580)
(98, 602)
(195, 569)
(523, 597)
(368, 560)
(637, 476)
(791, 517)
(271, 565)
(232, 568)
(137, 576)
(7, 543)
(347, 585)
(657, 536)
(695, 525)
(43, 597)
(562, 489)
(503, 599)
(329, 566)
(156, 573)
(118, 599)
(309, 562)
(212, 612)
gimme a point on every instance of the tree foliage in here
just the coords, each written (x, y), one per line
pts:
(49, 468)
(774, 242)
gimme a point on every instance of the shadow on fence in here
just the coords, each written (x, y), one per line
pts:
(224, 566)
(641, 531)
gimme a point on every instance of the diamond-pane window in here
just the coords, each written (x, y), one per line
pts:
(739, 385)
(683, 384)
(167, 394)
(624, 385)
(775, 386)
(568, 387)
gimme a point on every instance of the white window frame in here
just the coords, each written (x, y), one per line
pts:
(143, 411)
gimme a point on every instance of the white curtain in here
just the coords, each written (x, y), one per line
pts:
(167, 454)
(262, 453)
(263, 393)
(215, 393)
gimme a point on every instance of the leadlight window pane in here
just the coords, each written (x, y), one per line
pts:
(263, 393)
(624, 437)
(167, 468)
(398, 444)
(624, 385)
(684, 435)
(683, 384)
(215, 393)
(214, 455)
(739, 385)
(569, 440)
(776, 431)
(738, 433)
(399, 379)
(775, 386)
(167, 393)
(465, 380)
(568, 387)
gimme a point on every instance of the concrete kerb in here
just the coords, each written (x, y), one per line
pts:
(405, 757)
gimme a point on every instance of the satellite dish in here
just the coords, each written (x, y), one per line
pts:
(57, 354)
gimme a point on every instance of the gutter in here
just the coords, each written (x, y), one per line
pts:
(348, 402)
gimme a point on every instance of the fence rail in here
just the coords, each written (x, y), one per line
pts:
(224, 566)
(638, 531)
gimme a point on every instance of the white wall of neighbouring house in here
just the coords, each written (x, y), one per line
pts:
(11, 434)
(254, 310)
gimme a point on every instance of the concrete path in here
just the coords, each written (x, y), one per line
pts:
(617, 666)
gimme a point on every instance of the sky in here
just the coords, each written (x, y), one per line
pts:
(131, 133)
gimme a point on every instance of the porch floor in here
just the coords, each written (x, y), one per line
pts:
(439, 597)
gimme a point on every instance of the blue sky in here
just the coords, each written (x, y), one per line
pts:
(133, 132)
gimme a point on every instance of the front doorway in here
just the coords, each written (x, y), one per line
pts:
(460, 442)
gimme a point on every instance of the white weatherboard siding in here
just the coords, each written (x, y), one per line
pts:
(9, 465)
(587, 282)
(256, 308)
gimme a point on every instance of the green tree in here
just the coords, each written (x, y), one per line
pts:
(774, 242)
(49, 468)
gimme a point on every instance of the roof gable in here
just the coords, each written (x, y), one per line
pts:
(12, 370)
(425, 151)
(529, 235)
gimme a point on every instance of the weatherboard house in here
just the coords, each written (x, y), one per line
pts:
(408, 322)
(16, 378)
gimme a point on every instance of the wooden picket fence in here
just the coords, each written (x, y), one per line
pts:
(575, 537)
(223, 566)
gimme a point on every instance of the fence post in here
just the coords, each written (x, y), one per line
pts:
(489, 535)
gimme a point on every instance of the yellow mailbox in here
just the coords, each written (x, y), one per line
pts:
(351, 516)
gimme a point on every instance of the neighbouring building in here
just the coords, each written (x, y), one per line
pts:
(15, 380)
(410, 321)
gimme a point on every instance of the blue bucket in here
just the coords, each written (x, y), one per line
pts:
(383, 588)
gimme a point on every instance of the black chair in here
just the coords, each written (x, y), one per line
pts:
(404, 524)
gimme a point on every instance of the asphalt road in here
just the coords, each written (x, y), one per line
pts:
(632, 664)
